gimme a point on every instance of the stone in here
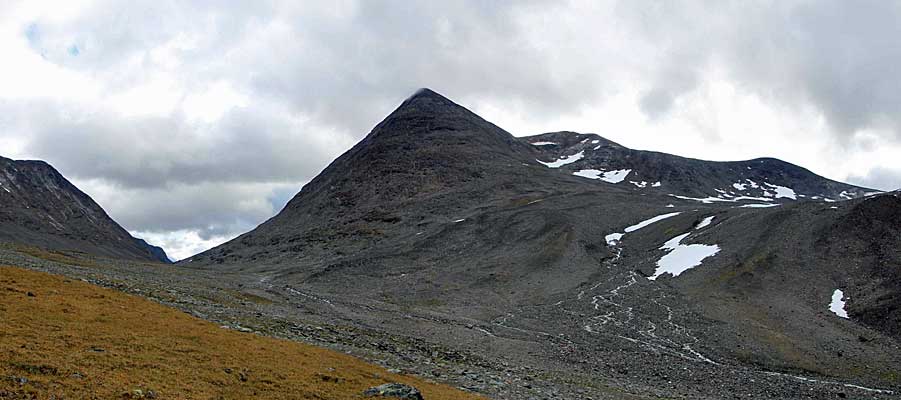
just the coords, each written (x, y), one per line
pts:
(396, 390)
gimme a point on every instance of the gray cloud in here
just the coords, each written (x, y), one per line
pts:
(879, 178)
(835, 56)
(246, 145)
(210, 209)
(318, 75)
(338, 64)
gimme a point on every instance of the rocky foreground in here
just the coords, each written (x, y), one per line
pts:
(260, 309)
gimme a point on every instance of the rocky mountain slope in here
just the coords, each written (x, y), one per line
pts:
(763, 179)
(607, 269)
(39, 207)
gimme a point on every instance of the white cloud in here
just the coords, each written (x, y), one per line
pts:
(181, 244)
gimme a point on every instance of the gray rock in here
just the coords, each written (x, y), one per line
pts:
(397, 390)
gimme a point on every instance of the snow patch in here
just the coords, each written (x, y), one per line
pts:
(705, 222)
(783, 192)
(759, 205)
(641, 184)
(837, 306)
(656, 184)
(613, 238)
(682, 257)
(751, 198)
(543, 144)
(710, 200)
(564, 160)
(615, 176)
(647, 222)
(459, 220)
(706, 200)
(589, 173)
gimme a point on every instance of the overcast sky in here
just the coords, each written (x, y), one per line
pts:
(191, 122)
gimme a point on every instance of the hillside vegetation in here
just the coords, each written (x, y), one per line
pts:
(63, 338)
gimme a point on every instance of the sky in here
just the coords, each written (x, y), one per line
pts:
(192, 122)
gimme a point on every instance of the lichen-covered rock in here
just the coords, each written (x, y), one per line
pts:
(397, 390)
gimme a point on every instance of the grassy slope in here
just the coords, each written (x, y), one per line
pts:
(75, 340)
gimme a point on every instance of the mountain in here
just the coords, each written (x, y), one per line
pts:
(404, 176)
(39, 207)
(603, 268)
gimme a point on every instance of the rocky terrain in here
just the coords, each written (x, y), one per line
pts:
(559, 266)
(39, 207)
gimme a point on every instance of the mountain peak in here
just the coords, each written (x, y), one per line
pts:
(427, 101)
(423, 93)
(427, 112)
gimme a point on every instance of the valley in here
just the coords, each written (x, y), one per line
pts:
(557, 266)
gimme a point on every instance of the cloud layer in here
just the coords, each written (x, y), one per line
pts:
(156, 108)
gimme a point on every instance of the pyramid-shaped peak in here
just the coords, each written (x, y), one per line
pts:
(426, 93)
(427, 99)
(427, 111)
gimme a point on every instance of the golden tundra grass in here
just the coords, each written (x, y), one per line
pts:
(73, 340)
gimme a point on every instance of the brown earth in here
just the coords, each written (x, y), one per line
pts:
(73, 340)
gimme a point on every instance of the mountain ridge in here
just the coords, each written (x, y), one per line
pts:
(40, 207)
(689, 176)
(429, 144)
